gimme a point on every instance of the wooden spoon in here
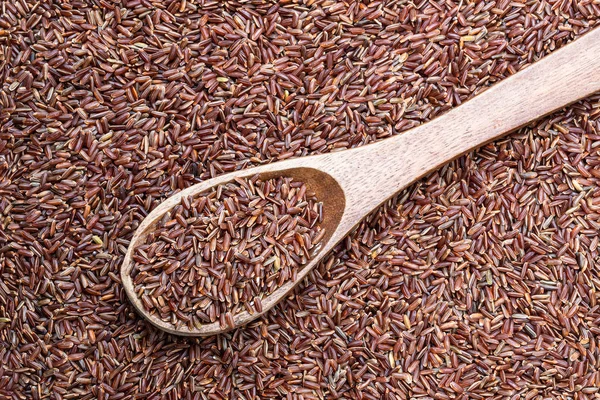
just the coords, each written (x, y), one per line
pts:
(353, 183)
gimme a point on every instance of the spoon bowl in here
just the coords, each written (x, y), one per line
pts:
(353, 183)
(322, 184)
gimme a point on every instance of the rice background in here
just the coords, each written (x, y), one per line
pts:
(479, 281)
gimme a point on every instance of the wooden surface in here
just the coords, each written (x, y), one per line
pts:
(354, 182)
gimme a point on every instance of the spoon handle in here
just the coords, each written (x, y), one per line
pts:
(371, 174)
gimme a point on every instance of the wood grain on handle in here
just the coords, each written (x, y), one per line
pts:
(376, 172)
(557, 80)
